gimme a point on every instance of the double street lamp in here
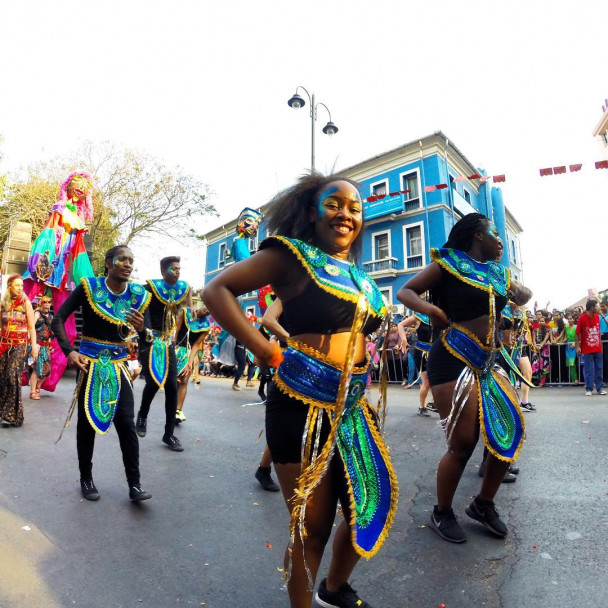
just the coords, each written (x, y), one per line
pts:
(330, 128)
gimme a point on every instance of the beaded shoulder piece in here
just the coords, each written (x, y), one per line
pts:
(169, 294)
(195, 325)
(111, 306)
(483, 275)
(341, 279)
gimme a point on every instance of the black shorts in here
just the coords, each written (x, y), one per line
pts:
(285, 423)
(442, 365)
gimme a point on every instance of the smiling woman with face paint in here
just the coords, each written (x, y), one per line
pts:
(468, 291)
(321, 431)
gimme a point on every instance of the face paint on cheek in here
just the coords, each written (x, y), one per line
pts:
(171, 270)
(493, 231)
(321, 210)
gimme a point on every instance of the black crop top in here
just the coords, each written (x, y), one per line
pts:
(462, 301)
(316, 310)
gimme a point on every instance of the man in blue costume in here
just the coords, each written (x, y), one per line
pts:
(159, 361)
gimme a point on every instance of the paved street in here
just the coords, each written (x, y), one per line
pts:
(211, 537)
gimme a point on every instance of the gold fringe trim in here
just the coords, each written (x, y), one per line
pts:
(166, 302)
(142, 309)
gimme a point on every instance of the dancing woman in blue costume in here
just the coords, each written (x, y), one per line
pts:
(322, 433)
(468, 291)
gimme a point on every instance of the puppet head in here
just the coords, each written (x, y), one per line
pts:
(77, 189)
(248, 222)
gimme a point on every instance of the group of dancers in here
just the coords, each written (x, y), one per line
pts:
(324, 438)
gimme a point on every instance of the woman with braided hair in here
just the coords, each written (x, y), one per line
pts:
(468, 291)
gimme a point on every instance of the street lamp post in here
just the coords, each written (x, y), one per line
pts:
(330, 128)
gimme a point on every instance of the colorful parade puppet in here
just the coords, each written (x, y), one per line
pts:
(58, 259)
(247, 226)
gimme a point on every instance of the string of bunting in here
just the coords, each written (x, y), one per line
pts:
(600, 164)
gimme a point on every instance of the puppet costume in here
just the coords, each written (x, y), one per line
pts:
(473, 289)
(58, 259)
(316, 405)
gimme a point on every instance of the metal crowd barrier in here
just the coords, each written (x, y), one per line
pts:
(557, 372)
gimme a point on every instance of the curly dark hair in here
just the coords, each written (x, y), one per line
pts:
(289, 211)
(463, 231)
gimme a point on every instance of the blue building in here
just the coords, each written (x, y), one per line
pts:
(402, 220)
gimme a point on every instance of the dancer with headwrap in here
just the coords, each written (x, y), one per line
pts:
(468, 291)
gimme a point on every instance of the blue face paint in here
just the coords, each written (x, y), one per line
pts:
(171, 270)
(493, 232)
(321, 210)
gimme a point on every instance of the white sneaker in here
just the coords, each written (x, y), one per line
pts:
(588, 394)
(602, 392)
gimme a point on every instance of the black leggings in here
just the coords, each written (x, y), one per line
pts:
(151, 389)
(125, 428)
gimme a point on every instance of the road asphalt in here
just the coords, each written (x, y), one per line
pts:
(210, 536)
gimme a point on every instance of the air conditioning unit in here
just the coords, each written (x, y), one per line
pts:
(397, 309)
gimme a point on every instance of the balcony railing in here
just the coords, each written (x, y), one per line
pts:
(414, 261)
(384, 265)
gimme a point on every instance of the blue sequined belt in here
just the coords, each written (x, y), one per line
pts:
(467, 347)
(109, 351)
(425, 347)
(316, 382)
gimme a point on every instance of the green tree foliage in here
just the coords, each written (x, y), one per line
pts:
(135, 197)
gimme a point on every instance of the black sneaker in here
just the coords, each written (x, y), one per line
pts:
(431, 407)
(487, 515)
(447, 526)
(262, 395)
(172, 442)
(136, 493)
(140, 425)
(528, 407)
(422, 412)
(265, 479)
(88, 489)
(345, 597)
(514, 469)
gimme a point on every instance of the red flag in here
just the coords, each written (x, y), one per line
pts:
(484, 179)
(575, 168)
(499, 178)
(405, 191)
(475, 176)
(381, 196)
(544, 172)
(393, 193)
(372, 199)
(441, 186)
(429, 188)
(601, 164)
(558, 170)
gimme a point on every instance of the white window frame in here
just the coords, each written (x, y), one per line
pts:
(406, 227)
(470, 199)
(403, 174)
(388, 288)
(221, 261)
(252, 241)
(390, 248)
(250, 310)
(378, 183)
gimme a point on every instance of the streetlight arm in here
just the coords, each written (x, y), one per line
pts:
(322, 104)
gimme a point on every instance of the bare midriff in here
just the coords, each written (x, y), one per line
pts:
(480, 326)
(334, 346)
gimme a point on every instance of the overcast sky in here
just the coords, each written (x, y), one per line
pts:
(516, 86)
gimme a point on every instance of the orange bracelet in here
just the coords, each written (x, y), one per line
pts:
(277, 356)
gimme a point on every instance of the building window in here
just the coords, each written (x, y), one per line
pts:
(605, 137)
(387, 295)
(513, 253)
(380, 188)
(382, 246)
(410, 181)
(414, 244)
(466, 195)
(250, 310)
(253, 243)
(222, 256)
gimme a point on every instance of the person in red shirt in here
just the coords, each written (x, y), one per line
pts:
(589, 343)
